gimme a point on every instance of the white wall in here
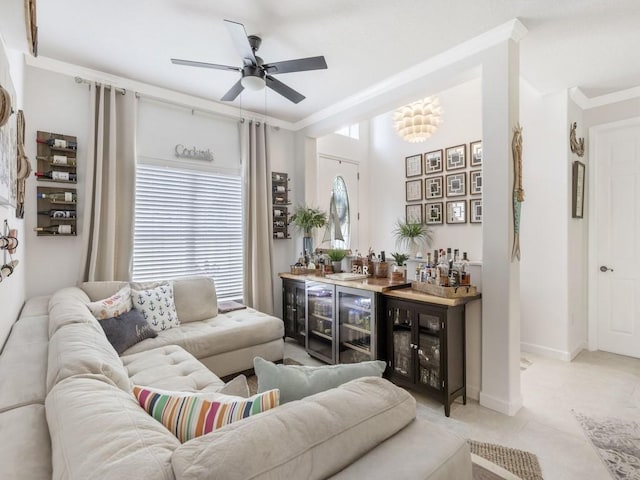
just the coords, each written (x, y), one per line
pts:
(54, 103)
(462, 123)
(13, 288)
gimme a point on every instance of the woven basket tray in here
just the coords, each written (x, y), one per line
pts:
(445, 292)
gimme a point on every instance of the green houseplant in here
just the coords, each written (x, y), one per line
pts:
(307, 218)
(400, 258)
(412, 236)
(336, 255)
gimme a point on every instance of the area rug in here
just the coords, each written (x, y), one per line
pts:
(617, 442)
(522, 464)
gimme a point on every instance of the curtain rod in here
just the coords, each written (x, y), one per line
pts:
(88, 82)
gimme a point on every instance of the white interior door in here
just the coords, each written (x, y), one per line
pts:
(617, 236)
(328, 169)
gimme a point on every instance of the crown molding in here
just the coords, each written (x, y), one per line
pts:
(586, 103)
(511, 30)
(152, 91)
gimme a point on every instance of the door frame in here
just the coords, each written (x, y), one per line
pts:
(592, 280)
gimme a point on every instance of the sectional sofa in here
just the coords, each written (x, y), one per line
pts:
(67, 411)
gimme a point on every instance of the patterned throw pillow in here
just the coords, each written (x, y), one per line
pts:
(157, 306)
(190, 415)
(115, 305)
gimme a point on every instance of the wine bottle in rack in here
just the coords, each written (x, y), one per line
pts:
(56, 229)
(59, 196)
(59, 160)
(54, 213)
(59, 143)
(55, 175)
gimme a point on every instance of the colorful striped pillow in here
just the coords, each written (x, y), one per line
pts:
(190, 415)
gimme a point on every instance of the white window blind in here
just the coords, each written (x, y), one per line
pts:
(188, 222)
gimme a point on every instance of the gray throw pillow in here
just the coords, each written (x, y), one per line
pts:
(298, 381)
(127, 329)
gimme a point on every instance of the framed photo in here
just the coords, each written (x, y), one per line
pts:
(433, 188)
(457, 212)
(577, 190)
(457, 157)
(475, 182)
(413, 166)
(433, 162)
(414, 191)
(457, 184)
(414, 213)
(433, 213)
(475, 151)
(475, 210)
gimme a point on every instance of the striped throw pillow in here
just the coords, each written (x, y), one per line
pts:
(190, 415)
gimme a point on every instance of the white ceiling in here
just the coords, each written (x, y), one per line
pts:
(592, 44)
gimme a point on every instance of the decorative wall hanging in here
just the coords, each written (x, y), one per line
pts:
(475, 210)
(577, 190)
(518, 191)
(475, 182)
(414, 213)
(457, 212)
(433, 213)
(23, 167)
(8, 137)
(457, 184)
(8, 243)
(32, 26)
(433, 187)
(413, 166)
(414, 190)
(475, 151)
(433, 162)
(577, 144)
(457, 157)
(418, 120)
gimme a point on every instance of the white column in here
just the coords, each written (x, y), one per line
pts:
(500, 276)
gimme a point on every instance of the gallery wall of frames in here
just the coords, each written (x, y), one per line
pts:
(444, 186)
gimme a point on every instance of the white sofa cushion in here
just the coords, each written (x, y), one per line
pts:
(35, 306)
(170, 368)
(26, 448)
(311, 438)
(68, 306)
(83, 348)
(100, 431)
(226, 332)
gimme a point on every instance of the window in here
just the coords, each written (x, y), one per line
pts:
(189, 222)
(352, 131)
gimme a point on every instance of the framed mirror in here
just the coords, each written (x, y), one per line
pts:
(457, 212)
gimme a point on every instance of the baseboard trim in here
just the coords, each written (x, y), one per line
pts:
(546, 351)
(577, 349)
(473, 392)
(499, 405)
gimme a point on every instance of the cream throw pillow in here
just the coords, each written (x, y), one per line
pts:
(115, 305)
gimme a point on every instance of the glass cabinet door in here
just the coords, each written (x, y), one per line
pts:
(320, 324)
(301, 317)
(289, 310)
(356, 318)
(401, 355)
(430, 372)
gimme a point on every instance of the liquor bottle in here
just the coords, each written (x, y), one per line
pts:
(59, 196)
(59, 143)
(465, 276)
(59, 160)
(449, 256)
(278, 223)
(56, 229)
(54, 213)
(54, 175)
(443, 270)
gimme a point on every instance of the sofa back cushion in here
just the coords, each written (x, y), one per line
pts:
(81, 349)
(68, 306)
(100, 290)
(99, 431)
(312, 438)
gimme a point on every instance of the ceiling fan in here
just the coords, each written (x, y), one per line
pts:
(256, 73)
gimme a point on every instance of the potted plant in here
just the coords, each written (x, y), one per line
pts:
(336, 255)
(399, 267)
(307, 218)
(412, 236)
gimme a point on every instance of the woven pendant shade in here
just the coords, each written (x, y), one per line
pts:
(418, 120)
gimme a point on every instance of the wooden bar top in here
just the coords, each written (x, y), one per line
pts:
(417, 296)
(371, 284)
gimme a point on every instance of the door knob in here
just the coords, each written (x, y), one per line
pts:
(604, 268)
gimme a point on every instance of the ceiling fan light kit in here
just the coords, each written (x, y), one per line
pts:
(255, 73)
(417, 121)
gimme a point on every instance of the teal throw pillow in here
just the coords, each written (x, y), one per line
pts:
(298, 381)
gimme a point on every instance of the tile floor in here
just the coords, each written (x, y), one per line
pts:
(595, 383)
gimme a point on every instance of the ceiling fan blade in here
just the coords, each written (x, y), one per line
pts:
(190, 63)
(231, 95)
(240, 40)
(299, 65)
(284, 90)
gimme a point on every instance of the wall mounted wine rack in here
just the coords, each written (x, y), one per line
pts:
(280, 189)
